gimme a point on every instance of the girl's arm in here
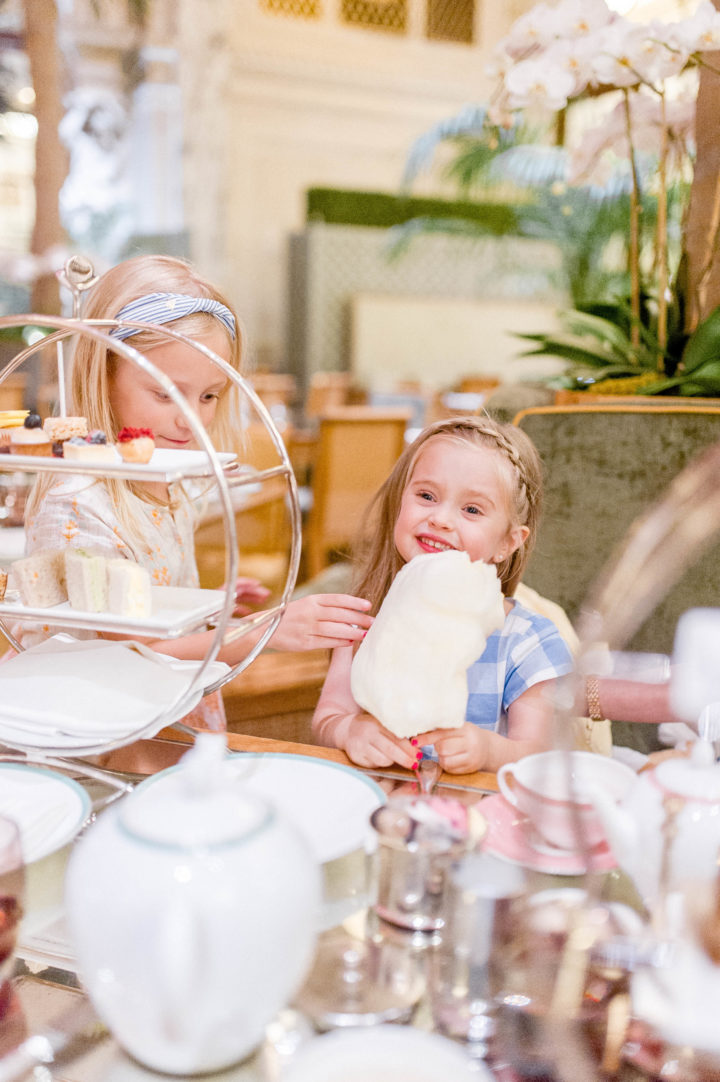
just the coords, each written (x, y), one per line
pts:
(470, 747)
(315, 622)
(339, 722)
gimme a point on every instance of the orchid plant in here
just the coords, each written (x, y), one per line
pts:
(580, 53)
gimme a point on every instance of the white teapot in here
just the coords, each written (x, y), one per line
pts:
(678, 801)
(192, 907)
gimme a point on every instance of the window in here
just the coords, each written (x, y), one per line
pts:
(387, 15)
(450, 20)
(301, 9)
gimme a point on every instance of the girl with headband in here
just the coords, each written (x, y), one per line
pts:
(153, 524)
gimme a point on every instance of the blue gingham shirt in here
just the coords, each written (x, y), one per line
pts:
(525, 651)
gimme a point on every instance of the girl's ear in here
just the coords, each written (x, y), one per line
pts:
(514, 539)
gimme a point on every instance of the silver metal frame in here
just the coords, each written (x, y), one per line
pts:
(226, 629)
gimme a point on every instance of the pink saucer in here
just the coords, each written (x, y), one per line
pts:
(509, 834)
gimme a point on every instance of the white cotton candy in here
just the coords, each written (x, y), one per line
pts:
(411, 669)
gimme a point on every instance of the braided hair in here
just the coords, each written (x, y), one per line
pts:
(377, 559)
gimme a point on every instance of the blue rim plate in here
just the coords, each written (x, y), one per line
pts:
(49, 808)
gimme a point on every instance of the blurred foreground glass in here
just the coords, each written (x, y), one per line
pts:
(12, 881)
(482, 898)
(418, 839)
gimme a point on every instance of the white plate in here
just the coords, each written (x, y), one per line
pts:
(48, 808)
(164, 461)
(329, 803)
(175, 611)
(387, 1053)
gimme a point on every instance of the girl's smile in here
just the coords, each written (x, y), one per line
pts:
(457, 498)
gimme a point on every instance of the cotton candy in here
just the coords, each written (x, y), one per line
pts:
(410, 671)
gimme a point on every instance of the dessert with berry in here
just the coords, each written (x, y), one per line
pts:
(136, 444)
(92, 448)
(30, 439)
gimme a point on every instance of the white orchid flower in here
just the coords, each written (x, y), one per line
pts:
(535, 29)
(622, 59)
(579, 18)
(574, 56)
(537, 82)
(700, 32)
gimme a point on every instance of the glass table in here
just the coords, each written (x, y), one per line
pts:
(48, 994)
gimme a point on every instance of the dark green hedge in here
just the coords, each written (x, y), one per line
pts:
(343, 207)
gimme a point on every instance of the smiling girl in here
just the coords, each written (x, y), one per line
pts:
(473, 485)
(153, 524)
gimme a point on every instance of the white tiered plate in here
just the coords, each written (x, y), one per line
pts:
(165, 465)
(176, 611)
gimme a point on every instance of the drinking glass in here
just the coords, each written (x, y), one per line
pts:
(12, 882)
(482, 899)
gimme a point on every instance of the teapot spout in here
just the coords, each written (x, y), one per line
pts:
(619, 825)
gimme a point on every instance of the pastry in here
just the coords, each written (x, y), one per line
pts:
(410, 671)
(92, 448)
(136, 444)
(40, 578)
(59, 429)
(3, 583)
(10, 419)
(86, 576)
(129, 589)
(30, 439)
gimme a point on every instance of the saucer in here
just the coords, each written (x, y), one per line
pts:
(509, 835)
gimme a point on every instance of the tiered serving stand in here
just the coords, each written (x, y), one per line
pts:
(184, 611)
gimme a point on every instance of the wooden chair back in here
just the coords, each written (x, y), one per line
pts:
(357, 447)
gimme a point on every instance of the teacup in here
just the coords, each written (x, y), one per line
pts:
(553, 789)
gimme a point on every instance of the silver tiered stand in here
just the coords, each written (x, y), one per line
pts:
(78, 276)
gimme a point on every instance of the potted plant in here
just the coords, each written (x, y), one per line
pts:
(623, 96)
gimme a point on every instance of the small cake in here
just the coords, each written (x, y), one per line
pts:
(59, 429)
(136, 444)
(129, 589)
(3, 583)
(86, 577)
(40, 578)
(30, 439)
(91, 448)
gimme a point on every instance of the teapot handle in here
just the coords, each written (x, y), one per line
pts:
(506, 783)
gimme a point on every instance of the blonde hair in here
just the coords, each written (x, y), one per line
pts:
(378, 560)
(93, 363)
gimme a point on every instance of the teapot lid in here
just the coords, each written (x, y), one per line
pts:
(196, 803)
(696, 777)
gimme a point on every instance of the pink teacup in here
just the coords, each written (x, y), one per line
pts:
(553, 789)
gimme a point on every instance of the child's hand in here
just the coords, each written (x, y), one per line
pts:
(248, 594)
(322, 621)
(369, 743)
(460, 751)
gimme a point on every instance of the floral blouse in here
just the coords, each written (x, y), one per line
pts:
(78, 511)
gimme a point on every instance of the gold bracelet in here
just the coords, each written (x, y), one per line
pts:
(592, 695)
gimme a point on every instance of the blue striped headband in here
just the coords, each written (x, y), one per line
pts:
(165, 307)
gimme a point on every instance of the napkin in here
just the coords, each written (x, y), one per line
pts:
(90, 689)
